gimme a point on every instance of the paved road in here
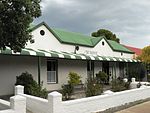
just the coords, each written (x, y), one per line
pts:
(140, 108)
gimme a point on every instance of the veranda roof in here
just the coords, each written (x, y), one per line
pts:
(64, 55)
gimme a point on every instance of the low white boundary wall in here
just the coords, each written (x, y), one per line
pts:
(103, 102)
(36, 104)
(54, 104)
(17, 104)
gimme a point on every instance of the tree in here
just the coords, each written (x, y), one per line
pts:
(108, 34)
(15, 19)
(145, 56)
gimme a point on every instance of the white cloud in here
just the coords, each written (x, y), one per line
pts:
(129, 19)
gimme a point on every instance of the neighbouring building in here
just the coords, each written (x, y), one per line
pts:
(137, 51)
(56, 52)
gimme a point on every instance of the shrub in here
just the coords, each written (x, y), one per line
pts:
(74, 78)
(26, 80)
(137, 71)
(93, 88)
(67, 91)
(102, 77)
(31, 87)
(119, 85)
(37, 90)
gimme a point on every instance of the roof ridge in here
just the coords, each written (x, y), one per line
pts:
(64, 30)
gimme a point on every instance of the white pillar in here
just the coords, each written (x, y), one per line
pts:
(125, 80)
(19, 89)
(133, 79)
(18, 104)
(133, 83)
(55, 102)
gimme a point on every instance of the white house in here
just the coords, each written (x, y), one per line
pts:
(56, 52)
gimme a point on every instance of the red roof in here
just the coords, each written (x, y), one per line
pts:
(137, 51)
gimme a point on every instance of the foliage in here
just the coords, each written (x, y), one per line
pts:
(145, 56)
(30, 85)
(15, 18)
(25, 79)
(136, 70)
(148, 77)
(74, 78)
(102, 77)
(67, 91)
(93, 88)
(119, 85)
(37, 90)
(108, 34)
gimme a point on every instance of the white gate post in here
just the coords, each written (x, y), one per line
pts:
(55, 102)
(18, 104)
(19, 89)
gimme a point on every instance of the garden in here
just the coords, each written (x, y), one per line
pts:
(76, 88)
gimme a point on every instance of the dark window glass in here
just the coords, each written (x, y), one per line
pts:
(42, 32)
(90, 68)
(103, 43)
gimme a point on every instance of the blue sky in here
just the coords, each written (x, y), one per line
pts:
(128, 19)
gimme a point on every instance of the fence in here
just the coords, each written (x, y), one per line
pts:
(54, 104)
(17, 104)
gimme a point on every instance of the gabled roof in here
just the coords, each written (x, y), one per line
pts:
(80, 39)
(118, 47)
(75, 38)
(137, 51)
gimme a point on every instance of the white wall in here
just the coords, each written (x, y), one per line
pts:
(12, 66)
(64, 67)
(17, 104)
(54, 104)
(49, 42)
(103, 102)
(36, 104)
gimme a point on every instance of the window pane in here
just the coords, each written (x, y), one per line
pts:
(51, 76)
(88, 66)
(51, 71)
(51, 65)
(48, 66)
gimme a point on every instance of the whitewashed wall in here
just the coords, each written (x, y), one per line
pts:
(103, 102)
(17, 104)
(36, 104)
(12, 66)
(64, 67)
(54, 104)
(49, 42)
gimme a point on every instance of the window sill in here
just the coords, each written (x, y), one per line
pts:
(52, 83)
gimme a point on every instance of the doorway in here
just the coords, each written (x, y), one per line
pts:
(105, 68)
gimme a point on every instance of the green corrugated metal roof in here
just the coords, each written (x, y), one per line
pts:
(79, 39)
(118, 47)
(75, 38)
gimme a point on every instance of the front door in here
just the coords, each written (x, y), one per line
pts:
(90, 69)
(121, 70)
(105, 68)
